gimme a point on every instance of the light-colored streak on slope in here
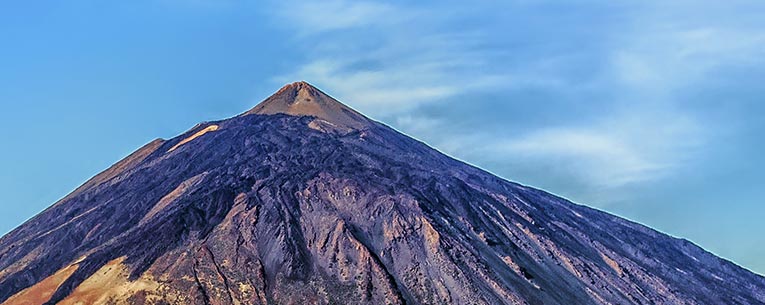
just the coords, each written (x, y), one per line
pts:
(173, 195)
(194, 136)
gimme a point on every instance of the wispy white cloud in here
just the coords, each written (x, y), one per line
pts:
(609, 154)
(314, 17)
(671, 54)
(603, 155)
(418, 124)
(402, 60)
(380, 92)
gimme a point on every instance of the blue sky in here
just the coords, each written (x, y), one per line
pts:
(652, 110)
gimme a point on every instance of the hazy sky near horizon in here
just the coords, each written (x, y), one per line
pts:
(652, 110)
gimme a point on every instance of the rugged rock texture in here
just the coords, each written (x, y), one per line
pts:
(304, 201)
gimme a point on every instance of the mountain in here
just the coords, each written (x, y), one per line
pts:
(303, 200)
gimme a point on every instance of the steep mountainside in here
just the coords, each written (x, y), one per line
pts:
(302, 200)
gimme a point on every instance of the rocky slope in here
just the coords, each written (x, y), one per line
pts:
(302, 200)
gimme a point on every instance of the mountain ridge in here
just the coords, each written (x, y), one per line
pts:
(283, 206)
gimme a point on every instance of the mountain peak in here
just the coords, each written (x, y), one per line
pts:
(303, 99)
(244, 213)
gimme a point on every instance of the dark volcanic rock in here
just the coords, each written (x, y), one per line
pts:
(304, 201)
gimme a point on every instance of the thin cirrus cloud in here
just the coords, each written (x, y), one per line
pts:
(604, 156)
(399, 61)
(609, 154)
(666, 59)
(379, 91)
(310, 18)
